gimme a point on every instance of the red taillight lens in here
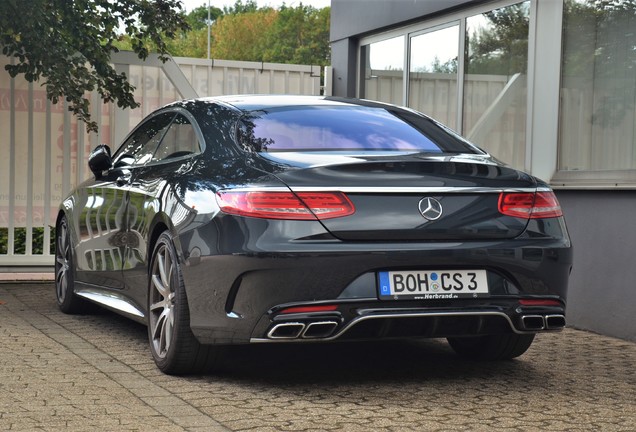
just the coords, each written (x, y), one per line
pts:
(285, 205)
(530, 205)
(539, 302)
(307, 309)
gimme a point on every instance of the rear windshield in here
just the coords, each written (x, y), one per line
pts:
(357, 128)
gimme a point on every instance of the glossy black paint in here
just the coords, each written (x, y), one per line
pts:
(240, 271)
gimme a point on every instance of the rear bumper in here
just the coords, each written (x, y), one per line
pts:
(236, 298)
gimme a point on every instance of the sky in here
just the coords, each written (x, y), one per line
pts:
(191, 4)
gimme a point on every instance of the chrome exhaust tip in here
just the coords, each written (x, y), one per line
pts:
(533, 322)
(320, 329)
(554, 322)
(290, 330)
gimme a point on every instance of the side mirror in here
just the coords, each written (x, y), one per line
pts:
(100, 160)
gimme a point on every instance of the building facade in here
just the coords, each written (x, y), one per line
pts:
(547, 86)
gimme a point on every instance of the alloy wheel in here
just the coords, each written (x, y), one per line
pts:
(162, 301)
(63, 262)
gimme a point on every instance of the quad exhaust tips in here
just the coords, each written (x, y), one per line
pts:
(299, 330)
(533, 322)
(290, 330)
(321, 329)
(553, 322)
(541, 322)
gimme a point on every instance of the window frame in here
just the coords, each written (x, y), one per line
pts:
(174, 111)
(543, 100)
(119, 153)
(192, 123)
(447, 20)
(586, 179)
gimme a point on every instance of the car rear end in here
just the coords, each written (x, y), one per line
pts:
(382, 242)
(360, 280)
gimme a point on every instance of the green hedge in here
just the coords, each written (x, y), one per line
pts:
(37, 243)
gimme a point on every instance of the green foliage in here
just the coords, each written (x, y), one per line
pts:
(595, 39)
(69, 44)
(240, 8)
(20, 239)
(197, 19)
(448, 67)
(242, 36)
(299, 35)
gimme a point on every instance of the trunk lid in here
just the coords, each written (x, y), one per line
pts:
(410, 197)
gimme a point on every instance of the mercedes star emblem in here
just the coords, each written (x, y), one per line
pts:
(430, 208)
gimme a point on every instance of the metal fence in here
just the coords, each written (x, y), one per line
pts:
(43, 148)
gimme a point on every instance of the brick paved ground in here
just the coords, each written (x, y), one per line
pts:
(94, 372)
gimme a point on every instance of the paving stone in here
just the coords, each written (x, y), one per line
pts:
(94, 372)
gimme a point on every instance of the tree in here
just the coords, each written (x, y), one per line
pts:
(69, 44)
(240, 8)
(242, 36)
(245, 32)
(197, 19)
(299, 35)
(448, 67)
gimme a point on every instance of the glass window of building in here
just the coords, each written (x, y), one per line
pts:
(433, 74)
(495, 81)
(487, 103)
(383, 69)
(597, 129)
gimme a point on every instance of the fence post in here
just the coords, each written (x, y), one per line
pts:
(327, 88)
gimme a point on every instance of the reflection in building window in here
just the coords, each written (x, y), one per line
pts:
(384, 70)
(495, 85)
(597, 129)
(433, 74)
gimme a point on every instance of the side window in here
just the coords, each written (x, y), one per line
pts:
(179, 140)
(140, 146)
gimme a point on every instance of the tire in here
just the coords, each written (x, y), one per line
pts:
(172, 344)
(67, 301)
(492, 347)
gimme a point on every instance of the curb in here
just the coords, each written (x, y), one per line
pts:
(27, 277)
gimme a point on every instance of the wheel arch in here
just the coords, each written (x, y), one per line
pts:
(160, 223)
(66, 211)
(158, 227)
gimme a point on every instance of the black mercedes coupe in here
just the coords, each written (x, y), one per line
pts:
(294, 219)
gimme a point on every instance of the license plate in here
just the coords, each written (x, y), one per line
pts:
(431, 285)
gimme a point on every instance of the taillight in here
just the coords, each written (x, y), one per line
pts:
(530, 205)
(285, 205)
(539, 302)
(308, 309)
